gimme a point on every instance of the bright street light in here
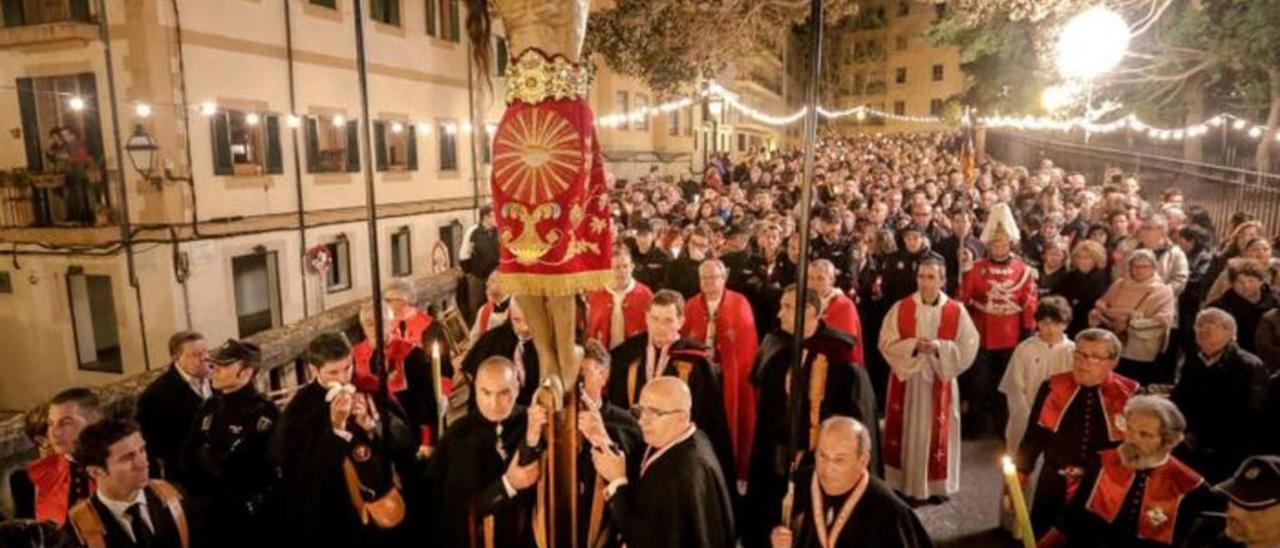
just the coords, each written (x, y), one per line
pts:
(1092, 43)
(1056, 97)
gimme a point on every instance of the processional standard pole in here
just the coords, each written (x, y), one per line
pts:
(370, 204)
(806, 206)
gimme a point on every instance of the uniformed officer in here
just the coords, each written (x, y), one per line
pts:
(225, 468)
(828, 244)
(650, 259)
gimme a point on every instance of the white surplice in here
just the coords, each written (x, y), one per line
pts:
(1033, 361)
(918, 372)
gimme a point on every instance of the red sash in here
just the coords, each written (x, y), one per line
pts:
(414, 327)
(1166, 487)
(364, 379)
(51, 477)
(486, 312)
(1115, 391)
(948, 328)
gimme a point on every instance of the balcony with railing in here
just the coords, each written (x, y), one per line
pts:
(57, 198)
(43, 22)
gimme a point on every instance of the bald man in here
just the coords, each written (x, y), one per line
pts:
(680, 498)
(478, 464)
(857, 508)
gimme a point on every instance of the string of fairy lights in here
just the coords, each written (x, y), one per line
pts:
(1223, 122)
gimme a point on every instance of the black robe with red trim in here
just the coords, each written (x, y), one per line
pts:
(1122, 507)
(1069, 424)
(688, 360)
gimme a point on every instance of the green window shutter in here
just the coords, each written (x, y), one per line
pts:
(353, 146)
(79, 10)
(221, 125)
(13, 13)
(380, 145)
(275, 163)
(431, 6)
(453, 21)
(313, 144)
(411, 146)
(393, 12)
(30, 121)
(502, 55)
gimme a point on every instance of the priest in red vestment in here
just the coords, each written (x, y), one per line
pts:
(838, 310)
(616, 313)
(58, 479)
(722, 320)
(928, 340)
(1138, 494)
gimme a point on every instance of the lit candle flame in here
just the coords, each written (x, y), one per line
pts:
(435, 351)
(1007, 463)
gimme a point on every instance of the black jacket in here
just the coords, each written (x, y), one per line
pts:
(484, 252)
(166, 410)
(1247, 314)
(164, 528)
(1082, 290)
(1223, 404)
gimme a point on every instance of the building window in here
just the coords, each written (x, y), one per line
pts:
(443, 20)
(401, 253)
(331, 4)
(448, 146)
(940, 9)
(396, 145)
(93, 321)
(385, 11)
(673, 123)
(937, 73)
(935, 107)
(904, 8)
(688, 122)
(742, 142)
(246, 143)
(340, 270)
(256, 278)
(501, 55)
(642, 106)
(333, 144)
(902, 43)
(486, 152)
(6, 285)
(900, 75)
(45, 104)
(18, 13)
(900, 108)
(621, 105)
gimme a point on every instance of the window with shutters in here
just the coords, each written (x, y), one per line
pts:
(673, 123)
(93, 321)
(331, 4)
(501, 56)
(339, 275)
(333, 144)
(900, 75)
(256, 282)
(19, 13)
(401, 253)
(935, 107)
(385, 11)
(486, 149)
(45, 105)
(246, 143)
(443, 20)
(642, 106)
(396, 145)
(448, 146)
(937, 73)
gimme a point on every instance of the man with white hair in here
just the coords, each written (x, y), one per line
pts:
(1222, 390)
(406, 321)
(1138, 494)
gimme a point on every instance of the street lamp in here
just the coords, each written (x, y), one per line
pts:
(1092, 43)
(142, 152)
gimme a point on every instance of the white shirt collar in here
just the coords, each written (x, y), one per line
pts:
(199, 386)
(631, 284)
(118, 510)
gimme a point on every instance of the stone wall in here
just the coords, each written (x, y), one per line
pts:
(280, 347)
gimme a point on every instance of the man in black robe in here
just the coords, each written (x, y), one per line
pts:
(512, 340)
(682, 273)
(827, 379)
(603, 425)
(679, 499)
(169, 404)
(855, 507)
(486, 464)
(660, 351)
(326, 426)
(651, 261)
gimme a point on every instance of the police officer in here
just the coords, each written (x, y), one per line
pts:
(828, 244)
(1253, 508)
(650, 259)
(225, 468)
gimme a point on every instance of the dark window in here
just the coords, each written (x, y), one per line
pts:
(396, 146)
(326, 3)
(448, 146)
(93, 320)
(642, 105)
(486, 152)
(6, 285)
(904, 8)
(742, 142)
(900, 108)
(448, 24)
(621, 104)
(256, 279)
(18, 13)
(940, 9)
(937, 73)
(902, 43)
(673, 123)
(401, 253)
(386, 11)
(900, 76)
(935, 107)
(433, 19)
(333, 144)
(245, 143)
(340, 270)
(501, 56)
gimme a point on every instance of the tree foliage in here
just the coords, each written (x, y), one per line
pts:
(670, 44)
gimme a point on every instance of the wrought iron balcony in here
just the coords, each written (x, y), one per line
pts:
(41, 22)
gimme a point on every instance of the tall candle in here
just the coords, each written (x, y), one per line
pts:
(441, 403)
(1014, 488)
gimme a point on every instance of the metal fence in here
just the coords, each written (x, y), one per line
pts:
(1222, 190)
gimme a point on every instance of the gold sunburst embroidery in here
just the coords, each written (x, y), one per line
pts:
(537, 156)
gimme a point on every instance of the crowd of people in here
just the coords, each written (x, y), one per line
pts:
(1121, 346)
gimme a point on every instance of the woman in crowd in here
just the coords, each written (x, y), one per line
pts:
(1085, 283)
(1256, 250)
(1139, 308)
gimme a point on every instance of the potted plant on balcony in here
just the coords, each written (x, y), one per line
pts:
(105, 215)
(16, 208)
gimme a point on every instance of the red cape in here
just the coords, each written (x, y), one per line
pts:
(600, 313)
(842, 315)
(735, 351)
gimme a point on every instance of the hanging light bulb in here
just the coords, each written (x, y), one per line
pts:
(293, 121)
(76, 104)
(339, 120)
(252, 119)
(208, 108)
(143, 110)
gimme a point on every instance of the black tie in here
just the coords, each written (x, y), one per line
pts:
(141, 533)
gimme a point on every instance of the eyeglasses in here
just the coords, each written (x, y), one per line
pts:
(639, 411)
(1094, 359)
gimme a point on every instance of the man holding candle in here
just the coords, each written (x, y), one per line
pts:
(1075, 415)
(855, 507)
(1138, 494)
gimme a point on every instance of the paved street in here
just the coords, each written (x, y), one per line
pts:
(971, 518)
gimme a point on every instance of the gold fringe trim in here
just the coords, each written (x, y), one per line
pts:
(554, 285)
